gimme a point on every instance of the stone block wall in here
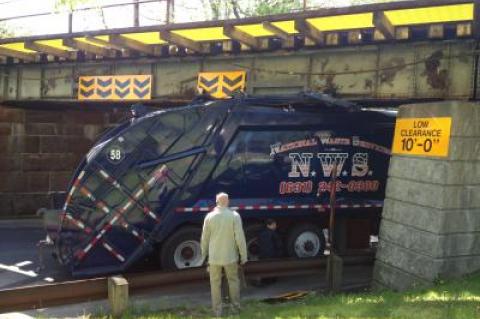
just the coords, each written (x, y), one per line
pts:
(40, 149)
(431, 218)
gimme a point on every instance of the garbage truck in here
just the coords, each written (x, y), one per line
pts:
(145, 187)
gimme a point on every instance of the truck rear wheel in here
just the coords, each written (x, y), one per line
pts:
(251, 234)
(182, 249)
(305, 241)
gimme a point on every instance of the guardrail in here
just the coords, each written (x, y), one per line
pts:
(40, 296)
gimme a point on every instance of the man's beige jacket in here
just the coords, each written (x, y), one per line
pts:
(223, 239)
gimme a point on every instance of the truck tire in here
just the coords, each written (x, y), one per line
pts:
(251, 235)
(305, 241)
(182, 249)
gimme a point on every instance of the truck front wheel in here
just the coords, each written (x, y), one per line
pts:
(182, 249)
(305, 241)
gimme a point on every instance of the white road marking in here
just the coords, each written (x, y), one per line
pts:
(15, 315)
(17, 270)
(23, 263)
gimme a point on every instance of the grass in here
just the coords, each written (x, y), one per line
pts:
(445, 300)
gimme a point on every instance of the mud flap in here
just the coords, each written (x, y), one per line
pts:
(351, 234)
(51, 221)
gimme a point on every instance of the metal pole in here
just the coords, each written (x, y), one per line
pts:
(170, 11)
(476, 35)
(136, 10)
(70, 22)
(333, 193)
(167, 17)
(334, 262)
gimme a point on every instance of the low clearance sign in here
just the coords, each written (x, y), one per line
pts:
(422, 136)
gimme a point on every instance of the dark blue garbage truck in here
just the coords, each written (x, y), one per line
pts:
(145, 186)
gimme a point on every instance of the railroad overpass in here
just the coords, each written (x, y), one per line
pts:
(382, 54)
(403, 50)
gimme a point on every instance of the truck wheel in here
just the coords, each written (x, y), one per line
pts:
(182, 249)
(305, 241)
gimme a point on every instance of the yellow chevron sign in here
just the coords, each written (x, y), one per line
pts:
(221, 85)
(115, 87)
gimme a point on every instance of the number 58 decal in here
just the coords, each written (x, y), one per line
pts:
(115, 154)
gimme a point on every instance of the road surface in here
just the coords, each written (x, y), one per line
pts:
(19, 261)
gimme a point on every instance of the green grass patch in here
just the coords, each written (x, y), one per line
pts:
(445, 300)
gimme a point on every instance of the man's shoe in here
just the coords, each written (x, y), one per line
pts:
(218, 313)
(234, 310)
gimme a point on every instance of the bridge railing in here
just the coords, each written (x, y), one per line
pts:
(88, 18)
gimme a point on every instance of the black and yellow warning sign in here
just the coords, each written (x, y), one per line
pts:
(115, 87)
(422, 136)
(221, 85)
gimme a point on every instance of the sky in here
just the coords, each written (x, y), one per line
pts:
(150, 14)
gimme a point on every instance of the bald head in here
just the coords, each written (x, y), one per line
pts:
(222, 200)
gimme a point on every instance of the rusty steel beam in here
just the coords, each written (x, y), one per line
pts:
(287, 38)
(180, 41)
(383, 24)
(104, 43)
(236, 34)
(33, 297)
(89, 48)
(30, 57)
(476, 19)
(131, 44)
(267, 25)
(310, 32)
(31, 45)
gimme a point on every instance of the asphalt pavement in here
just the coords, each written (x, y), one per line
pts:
(19, 255)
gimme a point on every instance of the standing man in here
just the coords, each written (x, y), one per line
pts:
(223, 241)
(270, 245)
(269, 241)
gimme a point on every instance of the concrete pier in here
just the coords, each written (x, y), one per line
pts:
(431, 217)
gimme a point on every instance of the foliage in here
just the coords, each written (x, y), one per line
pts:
(5, 31)
(225, 9)
(357, 2)
(70, 5)
(453, 300)
(266, 7)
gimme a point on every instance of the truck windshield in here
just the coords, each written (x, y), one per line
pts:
(162, 129)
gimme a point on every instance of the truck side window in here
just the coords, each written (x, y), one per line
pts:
(258, 160)
(228, 175)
